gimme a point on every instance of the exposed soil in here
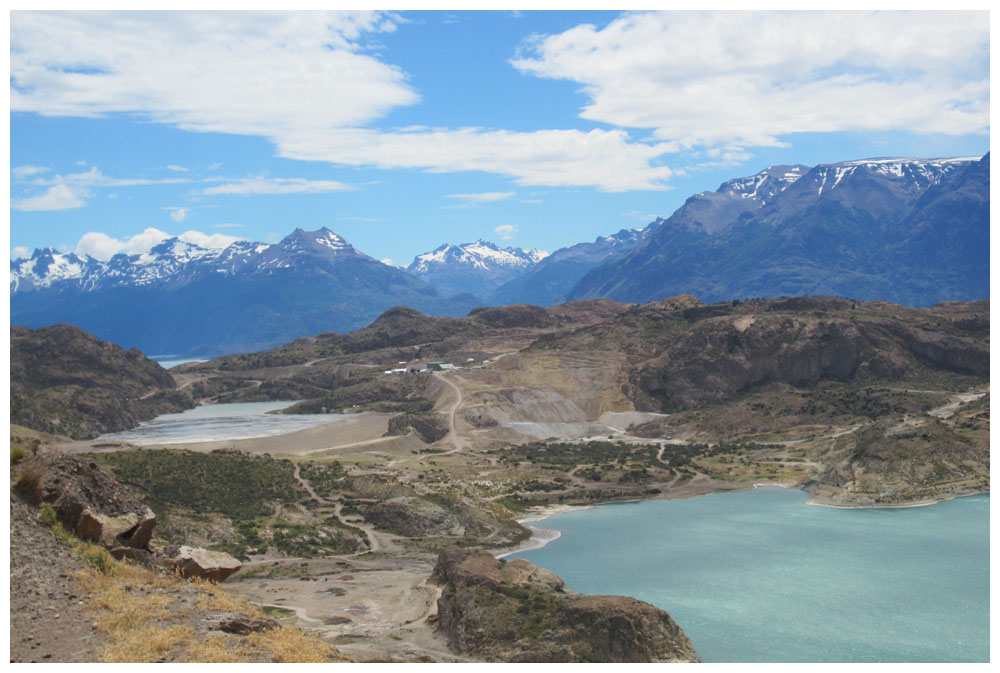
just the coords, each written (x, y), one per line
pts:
(47, 617)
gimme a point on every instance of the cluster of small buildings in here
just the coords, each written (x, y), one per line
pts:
(430, 367)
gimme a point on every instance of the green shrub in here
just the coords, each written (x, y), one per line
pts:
(17, 454)
(47, 515)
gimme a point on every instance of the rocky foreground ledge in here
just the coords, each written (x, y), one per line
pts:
(90, 502)
(517, 612)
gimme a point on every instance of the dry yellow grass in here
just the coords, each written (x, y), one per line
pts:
(214, 598)
(290, 646)
(146, 644)
(216, 649)
(144, 614)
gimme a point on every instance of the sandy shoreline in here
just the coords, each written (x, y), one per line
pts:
(540, 536)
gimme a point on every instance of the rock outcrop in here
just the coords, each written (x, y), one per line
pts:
(517, 612)
(91, 503)
(213, 566)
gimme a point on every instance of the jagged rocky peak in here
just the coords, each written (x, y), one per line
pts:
(764, 186)
(319, 240)
(911, 176)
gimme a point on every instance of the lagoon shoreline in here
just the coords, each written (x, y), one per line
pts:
(541, 537)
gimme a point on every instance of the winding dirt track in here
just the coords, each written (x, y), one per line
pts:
(453, 437)
(374, 543)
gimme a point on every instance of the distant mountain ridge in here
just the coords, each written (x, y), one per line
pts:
(184, 299)
(478, 268)
(549, 281)
(910, 231)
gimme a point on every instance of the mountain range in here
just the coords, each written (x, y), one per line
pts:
(911, 231)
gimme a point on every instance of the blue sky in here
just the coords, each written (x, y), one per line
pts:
(402, 131)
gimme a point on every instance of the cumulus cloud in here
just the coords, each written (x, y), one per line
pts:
(19, 252)
(209, 240)
(264, 185)
(56, 197)
(103, 247)
(506, 231)
(744, 79)
(177, 214)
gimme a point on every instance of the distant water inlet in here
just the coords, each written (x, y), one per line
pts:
(758, 576)
(220, 422)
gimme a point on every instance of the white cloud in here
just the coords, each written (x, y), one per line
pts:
(251, 73)
(57, 197)
(245, 73)
(603, 159)
(744, 79)
(177, 214)
(506, 231)
(214, 166)
(710, 80)
(22, 172)
(175, 167)
(94, 178)
(19, 252)
(103, 247)
(484, 197)
(98, 245)
(263, 185)
(209, 240)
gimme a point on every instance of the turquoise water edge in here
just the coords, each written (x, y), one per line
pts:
(759, 576)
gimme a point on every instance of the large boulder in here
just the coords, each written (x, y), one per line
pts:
(130, 529)
(214, 566)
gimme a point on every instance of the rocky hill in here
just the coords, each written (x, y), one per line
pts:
(806, 371)
(517, 612)
(68, 382)
(909, 231)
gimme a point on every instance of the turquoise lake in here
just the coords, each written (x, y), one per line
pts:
(759, 576)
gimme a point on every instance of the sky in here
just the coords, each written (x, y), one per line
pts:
(402, 131)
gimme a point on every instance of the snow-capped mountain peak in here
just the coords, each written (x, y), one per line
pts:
(477, 267)
(764, 186)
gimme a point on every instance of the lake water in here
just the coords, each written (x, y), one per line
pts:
(217, 422)
(759, 576)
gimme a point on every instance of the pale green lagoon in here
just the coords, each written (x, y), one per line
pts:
(759, 576)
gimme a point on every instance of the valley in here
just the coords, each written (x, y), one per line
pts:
(861, 405)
